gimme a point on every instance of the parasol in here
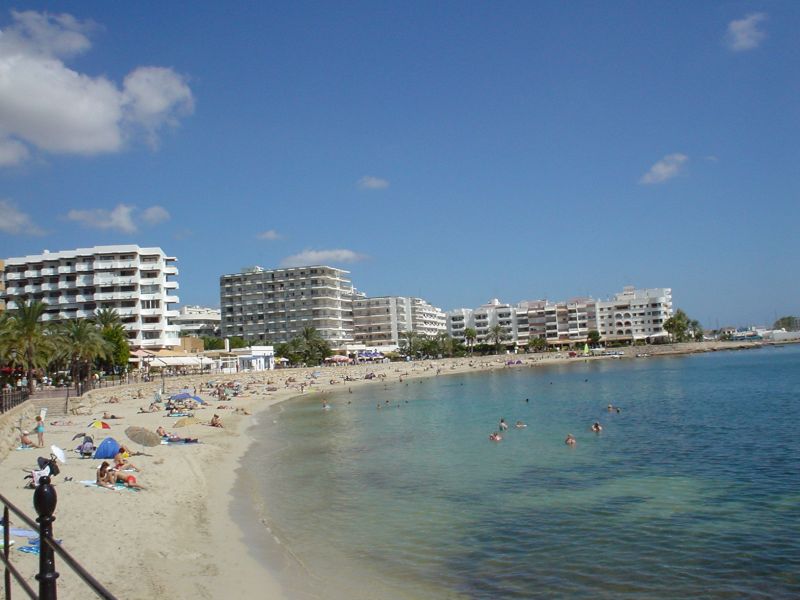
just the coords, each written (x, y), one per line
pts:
(59, 454)
(143, 436)
(99, 425)
(185, 422)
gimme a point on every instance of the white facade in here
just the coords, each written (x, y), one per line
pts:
(634, 314)
(275, 305)
(381, 320)
(198, 321)
(631, 315)
(139, 283)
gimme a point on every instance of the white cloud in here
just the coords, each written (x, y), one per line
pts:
(744, 34)
(667, 168)
(12, 152)
(269, 234)
(16, 222)
(46, 105)
(372, 183)
(318, 257)
(155, 215)
(119, 218)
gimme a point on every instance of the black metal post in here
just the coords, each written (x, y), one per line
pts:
(44, 501)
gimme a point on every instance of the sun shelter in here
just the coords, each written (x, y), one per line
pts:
(108, 448)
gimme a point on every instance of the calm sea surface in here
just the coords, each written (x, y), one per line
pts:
(692, 490)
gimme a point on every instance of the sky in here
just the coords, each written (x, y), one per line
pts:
(456, 151)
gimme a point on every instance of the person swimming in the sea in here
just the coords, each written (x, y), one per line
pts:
(496, 437)
(596, 427)
(520, 425)
(570, 441)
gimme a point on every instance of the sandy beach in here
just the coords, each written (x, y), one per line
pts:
(178, 538)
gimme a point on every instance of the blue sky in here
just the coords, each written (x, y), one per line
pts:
(457, 151)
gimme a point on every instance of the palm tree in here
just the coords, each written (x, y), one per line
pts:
(24, 339)
(315, 348)
(410, 342)
(497, 334)
(470, 335)
(106, 318)
(81, 343)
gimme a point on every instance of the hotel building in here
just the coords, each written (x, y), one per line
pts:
(381, 320)
(2, 286)
(275, 305)
(634, 315)
(139, 283)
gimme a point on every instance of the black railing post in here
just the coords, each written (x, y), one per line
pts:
(6, 544)
(44, 501)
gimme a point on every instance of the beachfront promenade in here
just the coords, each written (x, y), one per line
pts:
(178, 538)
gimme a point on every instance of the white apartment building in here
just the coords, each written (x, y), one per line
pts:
(275, 305)
(634, 314)
(483, 319)
(381, 320)
(198, 321)
(139, 283)
(631, 315)
(426, 319)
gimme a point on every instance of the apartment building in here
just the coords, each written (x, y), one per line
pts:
(2, 286)
(629, 316)
(139, 283)
(275, 305)
(381, 320)
(634, 315)
(198, 321)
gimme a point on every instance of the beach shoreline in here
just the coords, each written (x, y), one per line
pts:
(181, 537)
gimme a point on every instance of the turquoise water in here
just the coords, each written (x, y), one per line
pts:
(692, 490)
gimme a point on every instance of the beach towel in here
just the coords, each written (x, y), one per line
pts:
(34, 546)
(119, 487)
(183, 414)
(25, 447)
(26, 533)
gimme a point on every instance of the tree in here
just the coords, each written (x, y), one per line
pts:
(593, 337)
(696, 330)
(470, 335)
(237, 342)
(213, 343)
(536, 344)
(314, 347)
(497, 335)
(80, 342)
(678, 326)
(787, 323)
(410, 344)
(24, 339)
(113, 332)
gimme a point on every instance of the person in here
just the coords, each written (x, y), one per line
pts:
(107, 415)
(122, 463)
(39, 429)
(520, 425)
(162, 432)
(496, 437)
(596, 427)
(216, 421)
(610, 408)
(24, 440)
(103, 476)
(116, 476)
(503, 425)
(570, 441)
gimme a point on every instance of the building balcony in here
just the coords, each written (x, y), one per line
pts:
(64, 269)
(32, 273)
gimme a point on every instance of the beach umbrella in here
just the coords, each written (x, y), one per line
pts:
(59, 454)
(187, 396)
(185, 422)
(142, 436)
(99, 425)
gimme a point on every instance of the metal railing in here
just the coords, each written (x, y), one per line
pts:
(11, 398)
(44, 501)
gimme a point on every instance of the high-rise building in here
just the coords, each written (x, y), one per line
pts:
(2, 286)
(381, 320)
(634, 314)
(274, 306)
(139, 283)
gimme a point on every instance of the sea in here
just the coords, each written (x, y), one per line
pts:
(691, 489)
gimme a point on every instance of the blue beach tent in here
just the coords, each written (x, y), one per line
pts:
(108, 448)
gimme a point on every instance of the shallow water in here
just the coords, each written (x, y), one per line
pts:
(692, 490)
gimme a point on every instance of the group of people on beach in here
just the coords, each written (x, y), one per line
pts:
(26, 442)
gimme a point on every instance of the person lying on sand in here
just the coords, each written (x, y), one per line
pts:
(122, 463)
(107, 416)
